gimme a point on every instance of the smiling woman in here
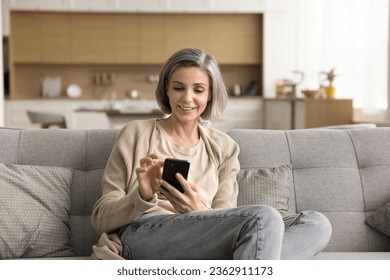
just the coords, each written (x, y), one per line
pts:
(148, 218)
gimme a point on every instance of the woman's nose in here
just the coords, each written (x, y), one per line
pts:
(187, 95)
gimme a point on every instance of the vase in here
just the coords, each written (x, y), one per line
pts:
(329, 90)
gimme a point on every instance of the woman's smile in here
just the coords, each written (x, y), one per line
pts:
(186, 108)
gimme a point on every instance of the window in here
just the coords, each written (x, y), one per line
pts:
(352, 37)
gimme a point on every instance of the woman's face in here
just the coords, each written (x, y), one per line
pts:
(188, 92)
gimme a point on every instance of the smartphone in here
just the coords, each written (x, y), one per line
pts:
(173, 166)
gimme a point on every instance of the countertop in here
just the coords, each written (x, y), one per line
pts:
(115, 112)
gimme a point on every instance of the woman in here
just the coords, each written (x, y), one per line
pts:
(147, 218)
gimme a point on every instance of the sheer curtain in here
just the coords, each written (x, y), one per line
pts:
(352, 37)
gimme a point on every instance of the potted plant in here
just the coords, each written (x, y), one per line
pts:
(329, 87)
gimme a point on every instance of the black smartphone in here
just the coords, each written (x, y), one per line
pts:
(173, 166)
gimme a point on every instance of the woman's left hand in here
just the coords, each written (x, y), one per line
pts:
(183, 202)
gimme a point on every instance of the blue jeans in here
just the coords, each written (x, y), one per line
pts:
(307, 233)
(246, 232)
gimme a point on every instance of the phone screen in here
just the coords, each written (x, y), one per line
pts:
(173, 166)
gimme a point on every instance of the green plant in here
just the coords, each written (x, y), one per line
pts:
(330, 76)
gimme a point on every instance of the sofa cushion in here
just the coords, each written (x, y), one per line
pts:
(267, 186)
(34, 211)
(380, 220)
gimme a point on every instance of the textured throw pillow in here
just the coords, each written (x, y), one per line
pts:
(34, 211)
(267, 186)
(380, 220)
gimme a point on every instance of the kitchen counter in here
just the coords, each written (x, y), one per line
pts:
(241, 112)
(115, 112)
(118, 118)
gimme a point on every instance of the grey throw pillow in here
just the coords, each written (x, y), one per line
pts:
(380, 220)
(34, 211)
(267, 186)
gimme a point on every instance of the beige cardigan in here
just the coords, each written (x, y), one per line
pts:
(121, 203)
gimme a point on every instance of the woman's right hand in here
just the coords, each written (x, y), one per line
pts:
(148, 174)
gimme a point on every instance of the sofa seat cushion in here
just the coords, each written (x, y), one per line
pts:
(266, 186)
(34, 211)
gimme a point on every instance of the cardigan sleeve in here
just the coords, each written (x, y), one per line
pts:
(120, 202)
(226, 196)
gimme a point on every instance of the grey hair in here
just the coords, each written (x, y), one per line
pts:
(192, 57)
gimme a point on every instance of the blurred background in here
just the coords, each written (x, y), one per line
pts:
(287, 64)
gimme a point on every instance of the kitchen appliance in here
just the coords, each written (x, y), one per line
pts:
(51, 87)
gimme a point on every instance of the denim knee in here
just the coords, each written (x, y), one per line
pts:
(321, 224)
(269, 216)
(262, 235)
(262, 211)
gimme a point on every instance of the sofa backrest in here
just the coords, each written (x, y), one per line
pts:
(344, 174)
(86, 151)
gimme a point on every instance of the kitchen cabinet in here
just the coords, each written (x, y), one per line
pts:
(197, 23)
(306, 113)
(151, 38)
(55, 34)
(92, 37)
(26, 38)
(40, 38)
(127, 42)
(110, 38)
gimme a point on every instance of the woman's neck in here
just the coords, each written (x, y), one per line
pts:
(183, 134)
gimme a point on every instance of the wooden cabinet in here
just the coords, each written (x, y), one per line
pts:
(306, 113)
(26, 37)
(92, 38)
(177, 38)
(41, 37)
(127, 43)
(151, 38)
(55, 34)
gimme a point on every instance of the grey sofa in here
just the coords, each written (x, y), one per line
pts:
(345, 174)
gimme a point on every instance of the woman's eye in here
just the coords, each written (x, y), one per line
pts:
(199, 90)
(178, 88)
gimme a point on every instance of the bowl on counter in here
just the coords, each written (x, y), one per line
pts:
(311, 93)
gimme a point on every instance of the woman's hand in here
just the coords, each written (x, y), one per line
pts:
(149, 174)
(183, 202)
